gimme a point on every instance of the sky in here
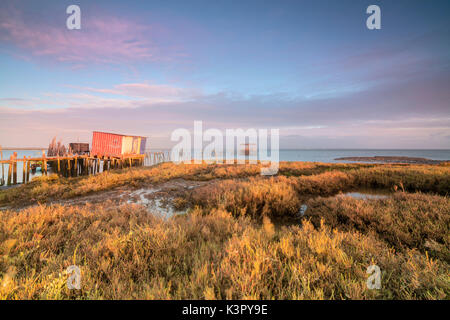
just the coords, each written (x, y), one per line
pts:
(311, 69)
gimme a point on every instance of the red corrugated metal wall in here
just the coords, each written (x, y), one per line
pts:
(106, 144)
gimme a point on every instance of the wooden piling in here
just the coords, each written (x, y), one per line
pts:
(73, 165)
(28, 170)
(15, 168)
(69, 173)
(10, 170)
(24, 167)
(44, 163)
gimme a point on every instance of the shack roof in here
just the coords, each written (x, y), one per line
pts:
(119, 134)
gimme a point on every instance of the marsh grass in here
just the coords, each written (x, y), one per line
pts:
(230, 244)
(403, 220)
(125, 253)
(307, 177)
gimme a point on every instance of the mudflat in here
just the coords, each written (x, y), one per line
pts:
(394, 159)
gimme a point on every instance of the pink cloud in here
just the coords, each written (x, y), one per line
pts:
(100, 40)
(146, 90)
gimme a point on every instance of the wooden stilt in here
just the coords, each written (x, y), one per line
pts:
(28, 170)
(44, 162)
(15, 168)
(10, 170)
(24, 170)
(68, 168)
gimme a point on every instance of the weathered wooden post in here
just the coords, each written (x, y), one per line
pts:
(76, 166)
(28, 169)
(68, 168)
(10, 169)
(24, 169)
(59, 165)
(105, 164)
(44, 162)
(15, 169)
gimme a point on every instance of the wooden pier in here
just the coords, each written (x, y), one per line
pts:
(66, 166)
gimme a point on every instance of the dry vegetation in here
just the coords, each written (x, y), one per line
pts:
(424, 178)
(233, 243)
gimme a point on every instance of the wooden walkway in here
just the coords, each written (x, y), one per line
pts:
(67, 166)
(72, 165)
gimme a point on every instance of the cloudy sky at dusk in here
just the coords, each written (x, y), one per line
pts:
(310, 68)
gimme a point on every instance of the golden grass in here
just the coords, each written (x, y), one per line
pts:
(227, 246)
(404, 220)
(255, 197)
(125, 253)
(330, 178)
